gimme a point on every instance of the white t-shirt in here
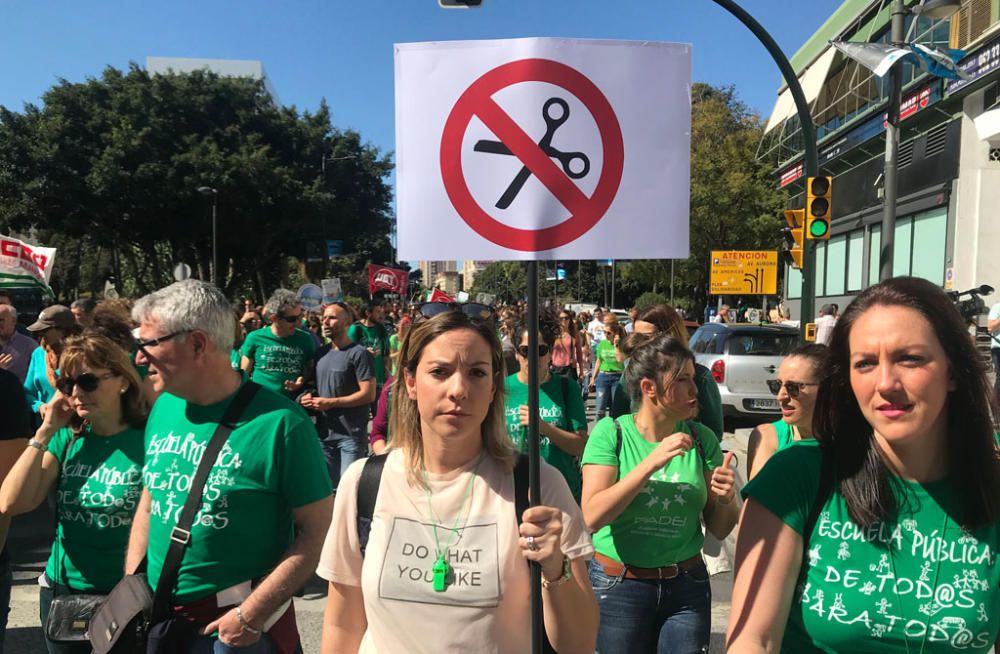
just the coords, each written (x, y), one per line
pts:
(596, 330)
(824, 329)
(488, 607)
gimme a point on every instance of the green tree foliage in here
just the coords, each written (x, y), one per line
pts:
(508, 280)
(650, 298)
(734, 202)
(108, 170)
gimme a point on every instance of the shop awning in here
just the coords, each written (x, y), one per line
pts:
(812, 81)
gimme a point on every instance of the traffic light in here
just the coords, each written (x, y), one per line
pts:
(818, 208)
(794, 235)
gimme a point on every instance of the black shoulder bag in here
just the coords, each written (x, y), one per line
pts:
(69, 615)
(122, 623)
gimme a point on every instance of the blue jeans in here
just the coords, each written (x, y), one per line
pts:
(211, 645)
(606, 386)
(340, 453)
(671, 616)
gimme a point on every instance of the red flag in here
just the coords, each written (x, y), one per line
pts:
(440, 296)
(381, 278)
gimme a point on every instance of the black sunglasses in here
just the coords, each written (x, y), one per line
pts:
(291, 319)
(793, 388)
(88, 382)
(473, 310)
(153, 342)
(543, 349)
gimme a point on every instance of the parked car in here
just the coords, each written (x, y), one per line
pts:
(742, 358)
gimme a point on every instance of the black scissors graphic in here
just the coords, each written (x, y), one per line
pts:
(568, 160)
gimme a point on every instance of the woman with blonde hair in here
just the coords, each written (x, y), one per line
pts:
(426, 538)
(90, 449)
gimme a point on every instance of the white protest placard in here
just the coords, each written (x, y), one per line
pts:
(310, 296)
(332, 291)
(543, 149)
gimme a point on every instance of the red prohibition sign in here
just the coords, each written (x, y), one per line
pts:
(477, 101)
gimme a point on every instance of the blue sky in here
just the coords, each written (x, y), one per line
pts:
(342, 51)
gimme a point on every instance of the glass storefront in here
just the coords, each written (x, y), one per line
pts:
(918, 250)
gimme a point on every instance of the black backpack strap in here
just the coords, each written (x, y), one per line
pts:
(691, 425)
(180, 535)
(368, 485)
(565, 391)
(521, 482)
(826, 483)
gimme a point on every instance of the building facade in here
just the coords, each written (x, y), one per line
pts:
(223, 67)
(947, 228)
(429, 270)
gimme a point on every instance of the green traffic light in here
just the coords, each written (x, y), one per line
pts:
(818, 228)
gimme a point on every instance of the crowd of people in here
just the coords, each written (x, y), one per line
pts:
(383, 447)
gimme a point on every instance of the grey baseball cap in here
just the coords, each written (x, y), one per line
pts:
(56, 315)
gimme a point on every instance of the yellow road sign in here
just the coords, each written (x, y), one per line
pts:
(744, 272)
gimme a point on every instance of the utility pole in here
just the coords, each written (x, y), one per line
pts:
(890, 175)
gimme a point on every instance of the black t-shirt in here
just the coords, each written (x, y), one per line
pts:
(16, 421)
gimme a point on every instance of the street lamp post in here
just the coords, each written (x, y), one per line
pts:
(935, 9)
(208, 190)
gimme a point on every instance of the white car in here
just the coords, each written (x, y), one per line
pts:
(741, 359)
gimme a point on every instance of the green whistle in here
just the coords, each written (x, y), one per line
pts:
(440, 571)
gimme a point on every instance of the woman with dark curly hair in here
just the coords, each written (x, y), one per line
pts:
(884, 537)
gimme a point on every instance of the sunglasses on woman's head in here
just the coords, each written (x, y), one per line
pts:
(542, 350)
(473, 310)
(793, 388)
(88, 382)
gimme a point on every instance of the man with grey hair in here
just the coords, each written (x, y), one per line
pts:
(267, 503)
(279, 356)
(15, 347)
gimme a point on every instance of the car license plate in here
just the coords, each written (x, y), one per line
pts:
(764, 404)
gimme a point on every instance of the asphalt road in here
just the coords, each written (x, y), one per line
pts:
(31, 536)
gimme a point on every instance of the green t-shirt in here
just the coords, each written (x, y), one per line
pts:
(661, 525)
(891, 587)
(235, 358)
(271, 463)
(372, 337)
(277, 360)
(97, 494)
(606, 358)
(556, 407)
